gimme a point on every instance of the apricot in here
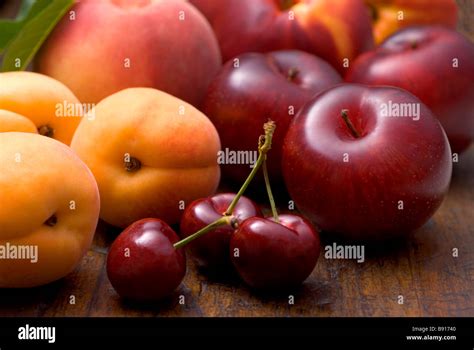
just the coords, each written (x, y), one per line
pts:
(151, 154)
(49, 209)
(10, 121)
(49, 104)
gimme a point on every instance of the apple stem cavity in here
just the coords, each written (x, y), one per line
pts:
(132, 165)
(292, 73)
(353, 130)
(264, 145)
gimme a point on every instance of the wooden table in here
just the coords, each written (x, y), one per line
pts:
(421, 269)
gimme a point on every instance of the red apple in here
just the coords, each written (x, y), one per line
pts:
(372, 174)
(333, 30)
(434, 63)
(241, 98)
(142, 263)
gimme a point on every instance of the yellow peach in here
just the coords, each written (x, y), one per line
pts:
(49, 104)
(49, 209)
(151, 153)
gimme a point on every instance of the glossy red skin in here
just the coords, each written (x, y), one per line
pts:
(275, 255)
(332, 30)
(427, 72)
(212, 249)
(395, 159)
(154, 268)
(240, 100)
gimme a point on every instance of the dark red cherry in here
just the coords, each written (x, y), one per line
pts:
(271, 255)
(142, 263)
(212, 249)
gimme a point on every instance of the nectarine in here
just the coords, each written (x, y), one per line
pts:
(49, 209)
(151, 154)
(105, 46)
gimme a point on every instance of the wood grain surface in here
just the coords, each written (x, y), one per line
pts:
(421, 269)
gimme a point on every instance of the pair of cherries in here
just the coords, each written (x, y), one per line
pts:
(277, 252)
(267, 254)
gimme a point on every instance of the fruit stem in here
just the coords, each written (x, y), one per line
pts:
(269, 191)
(345, 116)
(264, 145)
(225, 220)
(292, 73)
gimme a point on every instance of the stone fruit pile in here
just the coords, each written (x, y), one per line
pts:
(356, 109)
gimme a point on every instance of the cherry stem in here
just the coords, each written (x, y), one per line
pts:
(264, 145)
(269, 191)
(225, 220)
(345, 116)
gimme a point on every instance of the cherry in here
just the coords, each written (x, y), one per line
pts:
(275, 255)
(142, 263)
(212, 249)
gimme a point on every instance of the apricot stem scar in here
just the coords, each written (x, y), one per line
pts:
(46, 130)
(52, 221)
(132, 165)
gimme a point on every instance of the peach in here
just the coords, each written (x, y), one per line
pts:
(109, 45)
(10, 121)
(50, 208)
(151, 154)
(49, 104)
(389, 16)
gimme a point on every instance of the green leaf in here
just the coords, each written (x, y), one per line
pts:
(9, 28)
(32, 35)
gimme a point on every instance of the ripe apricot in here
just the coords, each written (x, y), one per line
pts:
(151, 154)
(49, 209)
(49, 104)
(10, 121)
